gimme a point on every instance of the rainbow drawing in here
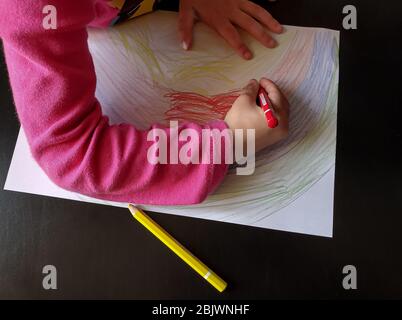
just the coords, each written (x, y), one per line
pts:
(144, 77)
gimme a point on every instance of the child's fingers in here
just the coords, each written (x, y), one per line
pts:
(186, 24)
(262, 16)
(281, 105)
(232, 36)
(272, 89)
(249, 24)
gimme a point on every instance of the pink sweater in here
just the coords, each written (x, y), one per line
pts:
(53, 82)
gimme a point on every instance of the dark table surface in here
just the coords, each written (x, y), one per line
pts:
(100, 252)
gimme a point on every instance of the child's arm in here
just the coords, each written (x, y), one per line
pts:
(53, 82)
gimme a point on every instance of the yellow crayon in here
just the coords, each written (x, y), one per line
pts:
(178, 249)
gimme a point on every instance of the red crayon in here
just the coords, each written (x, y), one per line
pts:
(266, 106)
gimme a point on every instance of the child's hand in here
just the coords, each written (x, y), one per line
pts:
(245, 114)
(223, 16)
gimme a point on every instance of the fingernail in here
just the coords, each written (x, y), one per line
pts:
(253, 81)
(272, 43)
(247, 55)
(184, 45)
(278, 27)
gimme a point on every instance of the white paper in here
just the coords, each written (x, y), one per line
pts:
(140, 63)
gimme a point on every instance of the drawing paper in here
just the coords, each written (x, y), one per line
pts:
(144, 76)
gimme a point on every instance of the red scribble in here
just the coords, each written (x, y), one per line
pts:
(193, 107)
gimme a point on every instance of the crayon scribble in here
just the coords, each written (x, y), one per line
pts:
(194, 107)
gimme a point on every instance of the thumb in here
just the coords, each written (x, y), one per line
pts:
(250, 91)
(186, 24)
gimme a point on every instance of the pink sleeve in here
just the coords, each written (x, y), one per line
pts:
(53, 81)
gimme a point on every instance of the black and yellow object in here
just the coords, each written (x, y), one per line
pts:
(132, 8)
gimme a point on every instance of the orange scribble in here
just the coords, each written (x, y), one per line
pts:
(193, 107)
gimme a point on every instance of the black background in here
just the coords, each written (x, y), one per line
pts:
(101, 252)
